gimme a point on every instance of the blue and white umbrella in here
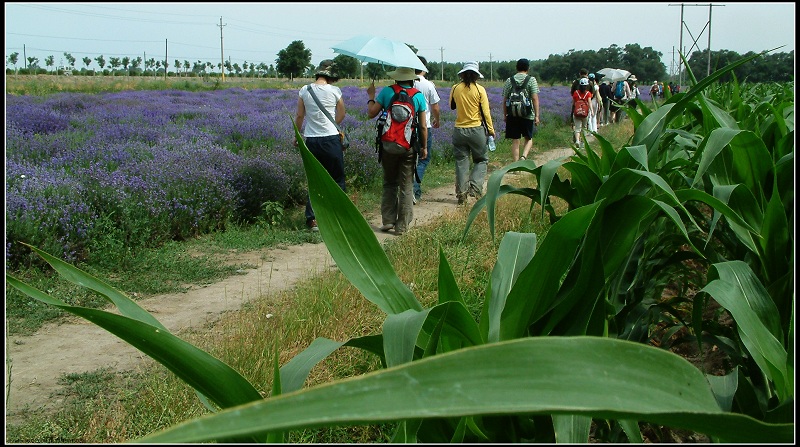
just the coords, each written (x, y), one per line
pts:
(380, 50)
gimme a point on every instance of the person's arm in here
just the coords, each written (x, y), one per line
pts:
(535, 101)
(435, 114)
(340, 111)
(423, 134)
(487, 116)
(299, 116)
(373, 107)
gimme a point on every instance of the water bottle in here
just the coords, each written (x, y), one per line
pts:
(492, 146)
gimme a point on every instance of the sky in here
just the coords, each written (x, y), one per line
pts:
(449, 32)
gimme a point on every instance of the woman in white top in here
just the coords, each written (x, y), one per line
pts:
(595, 105)
(321, 135)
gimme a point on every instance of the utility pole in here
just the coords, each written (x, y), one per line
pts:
(166, 58)
(441, 51)
(221, 52)
(491, 73)
(694, 44)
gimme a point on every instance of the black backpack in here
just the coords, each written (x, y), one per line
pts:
(518, 103)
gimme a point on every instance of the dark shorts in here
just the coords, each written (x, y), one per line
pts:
(519, 127)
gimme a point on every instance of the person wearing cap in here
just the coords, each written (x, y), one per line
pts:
(397, 209)
(472, 127)
(432, 99)
(654, 90)
(583, 92)
(522, 127)
(321, 135)
(634, 92)
(595, 103)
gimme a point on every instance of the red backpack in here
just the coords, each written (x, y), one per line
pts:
(398, 133)
(580, 108)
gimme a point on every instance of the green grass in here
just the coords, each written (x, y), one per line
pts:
(101, 409)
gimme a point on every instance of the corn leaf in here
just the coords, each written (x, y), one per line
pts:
(543, 375)
(351, 242)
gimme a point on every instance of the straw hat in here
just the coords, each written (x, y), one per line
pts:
(403, 74)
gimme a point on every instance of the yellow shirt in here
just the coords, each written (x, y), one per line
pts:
(468, 100)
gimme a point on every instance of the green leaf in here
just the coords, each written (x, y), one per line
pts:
(571, 428)
(351, 241)
(516, 251)
(544, 375)
(126, 306)
(739, 291)
(194, 366)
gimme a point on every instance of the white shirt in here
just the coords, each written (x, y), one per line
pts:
(429, 93)
(316, 124)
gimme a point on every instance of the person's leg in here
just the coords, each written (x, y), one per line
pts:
(528, 130)
(391, 169)
(461, 155)
(515, 149)
(480, 160)
(513, 134)
(405, 207)
(422, 166)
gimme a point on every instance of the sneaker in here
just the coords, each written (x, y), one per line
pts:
(312, 225)
(414, 199)
(398, 232)
(387, 227)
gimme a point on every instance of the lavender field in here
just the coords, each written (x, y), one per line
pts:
(137, 168)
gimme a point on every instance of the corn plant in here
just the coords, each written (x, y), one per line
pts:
(698, 198)
(446, 376)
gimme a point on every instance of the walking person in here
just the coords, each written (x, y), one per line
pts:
(605, 95)
(320, 134)
(398, 162)
(432, 99)
(473, 125)
(595, 104)
(518, 127)
(580, 120)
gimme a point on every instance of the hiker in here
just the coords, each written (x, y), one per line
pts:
(472, 127)
(432, 99)
(595, 104)
(521, 126)
(605, 94)
(399, 162)
(580, 115)
(320, 133)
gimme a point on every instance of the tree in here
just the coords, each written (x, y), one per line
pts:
(12, 59)
(348, 66)
(101, 61)
(33, 64)
(114, 62)
(293, 60)
(70, 59)
(126, 61)
(49, 61)
(375, 71)
(87, 61)
(151, 63)
(135, 63)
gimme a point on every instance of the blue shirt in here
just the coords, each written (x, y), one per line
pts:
(386, 93)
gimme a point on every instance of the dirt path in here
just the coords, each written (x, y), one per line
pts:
(35, 363)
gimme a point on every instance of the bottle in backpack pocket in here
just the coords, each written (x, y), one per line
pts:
(491, 144)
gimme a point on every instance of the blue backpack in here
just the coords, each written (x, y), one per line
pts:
(619, 90)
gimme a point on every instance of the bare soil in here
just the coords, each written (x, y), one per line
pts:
(73, 345)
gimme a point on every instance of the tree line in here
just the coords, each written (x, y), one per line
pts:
(294, 61)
